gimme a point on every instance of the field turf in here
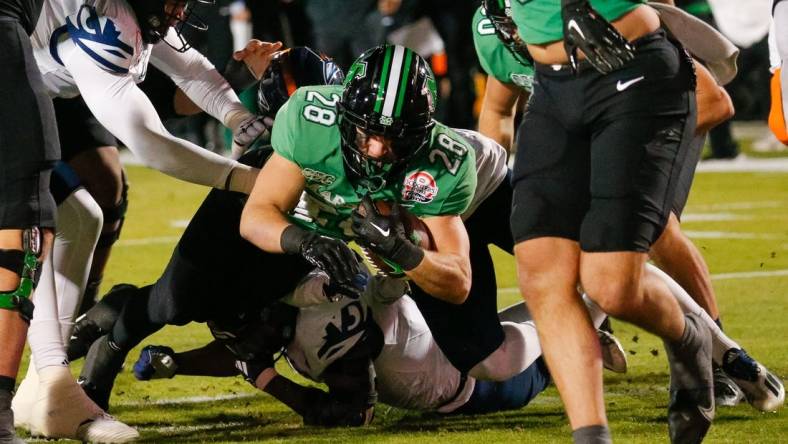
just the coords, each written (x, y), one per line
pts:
(739, 220)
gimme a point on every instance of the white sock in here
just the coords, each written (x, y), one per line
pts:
(79, 227)
(46, 343)
(63, 278)
(721, 342)
(520, 348)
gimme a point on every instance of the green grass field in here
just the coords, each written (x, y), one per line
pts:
(739, 220)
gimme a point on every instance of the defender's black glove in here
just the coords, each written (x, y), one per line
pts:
(385, 235)
(330, 255)
(251, 369)
(327, 411)
(586, 30)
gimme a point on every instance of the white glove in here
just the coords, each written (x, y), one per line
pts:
(249, 130)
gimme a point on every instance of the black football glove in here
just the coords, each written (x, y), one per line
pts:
(385, 235)
(251, 369)
(586, 30)
(330, 255)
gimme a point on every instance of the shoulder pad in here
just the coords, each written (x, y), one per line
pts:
(104, 39)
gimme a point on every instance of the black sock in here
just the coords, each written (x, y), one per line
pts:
(595, 434)
(7, 383)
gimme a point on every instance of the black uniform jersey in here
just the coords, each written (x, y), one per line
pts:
(26, 11)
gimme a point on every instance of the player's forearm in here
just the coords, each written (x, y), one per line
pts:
(213, 359)
(262, 225)
(714, 103)
(499, 127)
(445, 276)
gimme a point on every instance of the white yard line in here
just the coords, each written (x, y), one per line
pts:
(730, 235)
(193, 428)
(714, 277)
(713, 217)
(147, 241)
(186, 400)
(730, 206)
(745, 165)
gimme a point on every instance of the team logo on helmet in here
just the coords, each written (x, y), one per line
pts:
(419, 186)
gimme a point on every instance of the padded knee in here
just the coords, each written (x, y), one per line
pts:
(112, 215)
(25, 264)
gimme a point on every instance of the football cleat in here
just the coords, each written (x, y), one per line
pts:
(155, 362)
(98, 320)
(763, 390)
(84, 334)
(691, 408)
(613, 356)
(726, 392)
(25, 397)
(102, 365)
(63, 410)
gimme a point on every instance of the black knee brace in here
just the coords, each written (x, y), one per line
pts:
(114, 214)
(25, 264)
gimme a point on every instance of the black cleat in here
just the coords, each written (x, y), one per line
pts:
(98, 321)
(691, 408)
(102, 364)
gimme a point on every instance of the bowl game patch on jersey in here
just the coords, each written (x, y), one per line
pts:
(419, 186)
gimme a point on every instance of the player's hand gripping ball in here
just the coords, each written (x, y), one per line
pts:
(391, 238)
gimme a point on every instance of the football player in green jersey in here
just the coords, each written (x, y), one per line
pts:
(505, 59)
(609, 122)
(372, 139)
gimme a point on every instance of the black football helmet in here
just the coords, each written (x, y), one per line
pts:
(290, 70)
(155, 17)
(500, 14)
(390, 92)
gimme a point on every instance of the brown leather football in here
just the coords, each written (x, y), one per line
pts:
(415, 229)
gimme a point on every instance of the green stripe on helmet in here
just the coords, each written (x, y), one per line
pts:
(403, 83)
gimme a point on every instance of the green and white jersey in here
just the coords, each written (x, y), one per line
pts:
(539, 21)
(495, 58)
(440, 180)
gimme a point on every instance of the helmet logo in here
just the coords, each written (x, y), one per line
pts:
(386, 120)
(419, 186)
(357, 71)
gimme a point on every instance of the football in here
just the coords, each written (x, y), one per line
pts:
(415, 229)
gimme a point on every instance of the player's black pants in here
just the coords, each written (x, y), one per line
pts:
(213, 274)
(599, 157)
(469, 332)
(28, 134)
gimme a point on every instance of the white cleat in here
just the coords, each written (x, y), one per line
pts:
(106, 429)
(763, 390)
(613, 356)
(25, 397)
(63, 410)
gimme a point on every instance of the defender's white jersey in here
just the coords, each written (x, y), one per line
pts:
(106, 30)
(94, 48)
(491, 167)
(411, 370)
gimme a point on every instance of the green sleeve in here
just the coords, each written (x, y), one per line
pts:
(495, 59)
(460, 197)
